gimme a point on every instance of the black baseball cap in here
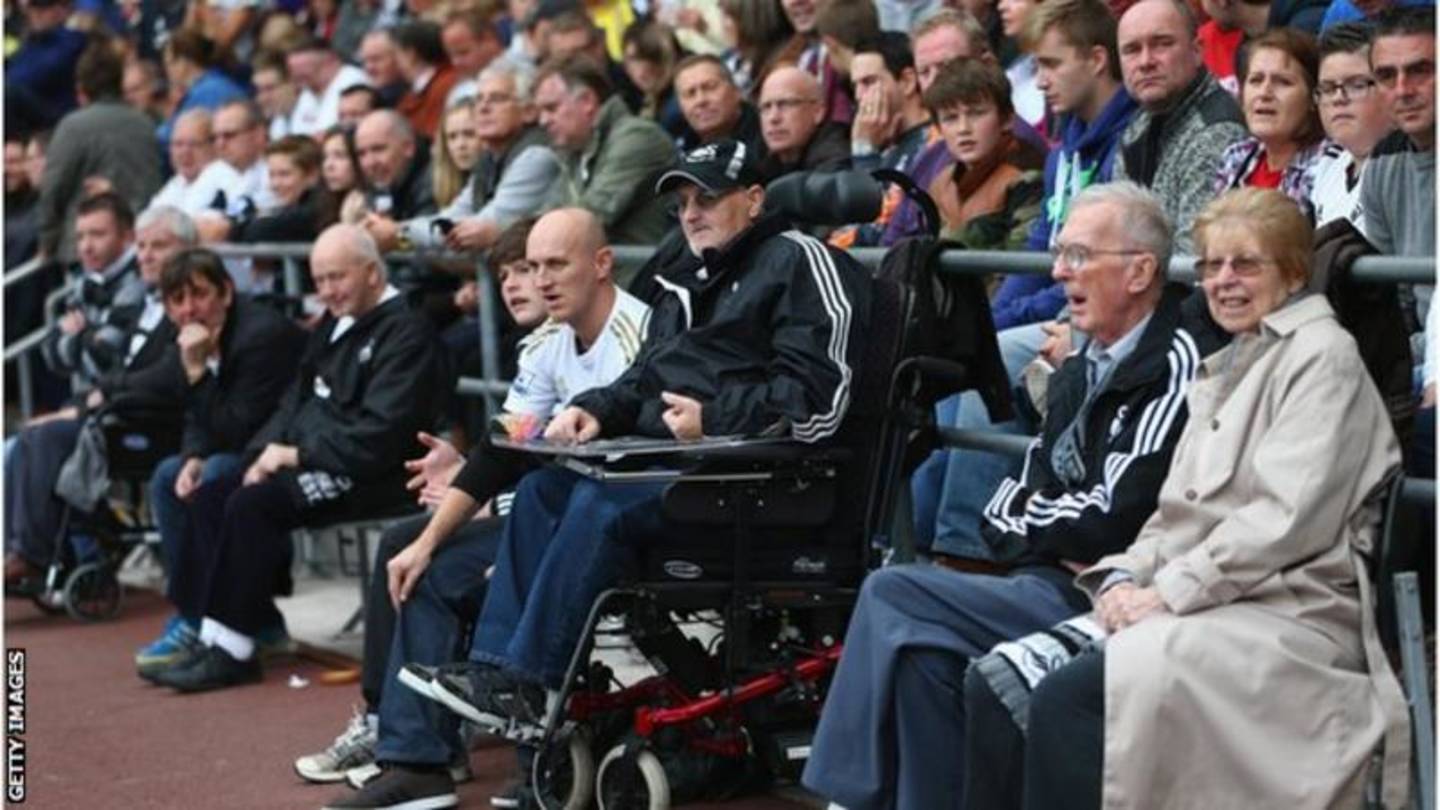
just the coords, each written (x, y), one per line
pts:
(724, 165)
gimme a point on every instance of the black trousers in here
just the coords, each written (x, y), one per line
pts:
(241, 543)
(1056, 764)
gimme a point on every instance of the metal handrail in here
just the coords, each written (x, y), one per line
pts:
(1369, 269)
(24, 271)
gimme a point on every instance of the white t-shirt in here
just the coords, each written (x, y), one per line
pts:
(255, 184)
(313, 114)
(198, 196)
(1336, 192)
(553, 369)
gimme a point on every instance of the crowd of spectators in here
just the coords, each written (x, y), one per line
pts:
(410, 144)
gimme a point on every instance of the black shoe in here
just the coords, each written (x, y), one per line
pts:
(492, 700)
(401, 788)
(213, 668)
(155, 673)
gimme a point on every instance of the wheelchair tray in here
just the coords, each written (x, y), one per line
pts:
(637, 459)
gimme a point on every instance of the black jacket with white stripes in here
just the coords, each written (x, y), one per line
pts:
(764, 334)
(1129, 438)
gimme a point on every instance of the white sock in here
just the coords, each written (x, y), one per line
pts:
(373, 721)
(240, 646)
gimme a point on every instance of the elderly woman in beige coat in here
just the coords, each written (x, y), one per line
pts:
(1242, 667)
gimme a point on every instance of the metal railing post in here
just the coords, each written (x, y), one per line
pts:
(489, 334)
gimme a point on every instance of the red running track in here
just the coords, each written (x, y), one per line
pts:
(99, 737)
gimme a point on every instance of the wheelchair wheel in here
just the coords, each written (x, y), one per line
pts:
(92, 593)
(564, 771)
(632, 782)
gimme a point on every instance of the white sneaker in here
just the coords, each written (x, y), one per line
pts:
(354, 747)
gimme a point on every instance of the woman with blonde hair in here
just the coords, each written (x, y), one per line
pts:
(454, 152)
(1240, 665)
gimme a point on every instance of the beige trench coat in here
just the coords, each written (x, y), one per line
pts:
(1267, 687)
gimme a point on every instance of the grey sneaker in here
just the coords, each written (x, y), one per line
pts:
(353, 748)
(492, 700)
(420, 678)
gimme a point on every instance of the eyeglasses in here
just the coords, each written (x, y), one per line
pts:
(1243, 266)
(1387, 75)
(1353, 87)
(493, 100)
(784, 105)
(1076, 256)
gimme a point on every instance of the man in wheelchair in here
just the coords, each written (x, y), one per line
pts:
(114, 339)
(761, 340)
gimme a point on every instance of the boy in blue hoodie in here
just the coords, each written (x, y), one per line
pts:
(1073, 42)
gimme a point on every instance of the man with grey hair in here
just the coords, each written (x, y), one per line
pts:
(371, 379)
(397, 172)
(509, 181)
(892, 728)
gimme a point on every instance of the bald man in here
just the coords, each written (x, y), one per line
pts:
(370, 378)
(792, 122)
(592, 335)
(396, 170)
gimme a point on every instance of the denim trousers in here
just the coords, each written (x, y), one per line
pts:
(172, 515)
(567, 539)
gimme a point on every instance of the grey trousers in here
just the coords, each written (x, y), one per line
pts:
(892, 731)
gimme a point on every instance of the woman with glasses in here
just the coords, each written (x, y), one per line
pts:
(1277, 82)
(1355, 120)
(1240, 665)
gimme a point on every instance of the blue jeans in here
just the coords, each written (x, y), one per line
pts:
(952, 487)
(567, 539)
(414, 730)
(172, 515)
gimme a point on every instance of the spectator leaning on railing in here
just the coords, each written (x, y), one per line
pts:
(515, 169)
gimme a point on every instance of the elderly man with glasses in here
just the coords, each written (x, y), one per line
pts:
(893, 725)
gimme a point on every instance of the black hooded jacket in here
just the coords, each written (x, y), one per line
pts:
(765, 334)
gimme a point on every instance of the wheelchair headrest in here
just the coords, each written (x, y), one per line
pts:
(826, 198)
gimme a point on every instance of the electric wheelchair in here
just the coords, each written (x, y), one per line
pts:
(776, 538)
